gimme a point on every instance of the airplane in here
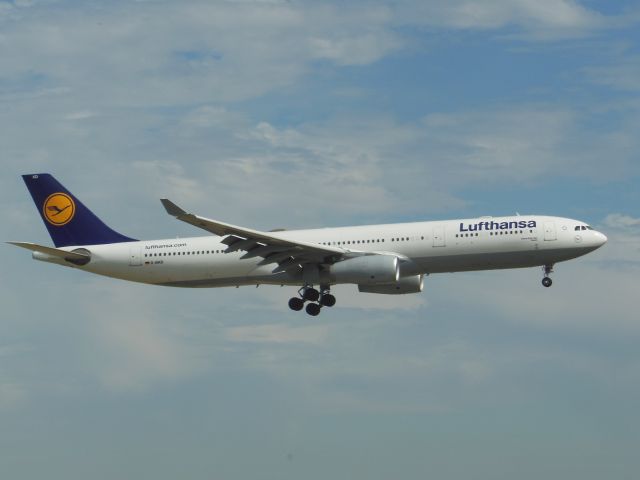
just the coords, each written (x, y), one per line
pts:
(383, 259)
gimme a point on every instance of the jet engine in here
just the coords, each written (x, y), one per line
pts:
(366, 270)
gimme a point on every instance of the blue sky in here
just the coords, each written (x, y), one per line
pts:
(297, 114)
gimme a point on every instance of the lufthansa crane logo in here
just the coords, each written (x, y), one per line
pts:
(59, 209)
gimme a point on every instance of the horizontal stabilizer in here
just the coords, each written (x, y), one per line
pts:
(54, 252)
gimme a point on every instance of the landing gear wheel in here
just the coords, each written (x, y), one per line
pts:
(546, 281)
(296, 304)
(313, 309)
(327, 300)
(310, 294)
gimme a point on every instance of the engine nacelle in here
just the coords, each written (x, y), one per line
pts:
(366, 270)
(413, 284)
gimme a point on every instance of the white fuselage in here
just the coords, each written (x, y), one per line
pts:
(423, 247)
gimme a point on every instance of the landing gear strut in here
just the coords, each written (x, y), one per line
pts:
(310, 294)
(327, 300)
(546, 281)
(317, 299)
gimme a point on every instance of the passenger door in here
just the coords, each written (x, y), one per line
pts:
(135, 256)
(549, 231)
(438, 236)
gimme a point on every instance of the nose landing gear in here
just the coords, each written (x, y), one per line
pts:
(546, 281)
(317, 299)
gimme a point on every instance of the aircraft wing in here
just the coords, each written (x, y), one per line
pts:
(288, 254)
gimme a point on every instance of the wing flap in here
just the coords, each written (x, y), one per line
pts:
(262, 251)
(245, 245)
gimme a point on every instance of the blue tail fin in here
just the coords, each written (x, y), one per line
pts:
(69, 222)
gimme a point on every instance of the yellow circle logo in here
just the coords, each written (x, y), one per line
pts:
(59, 209)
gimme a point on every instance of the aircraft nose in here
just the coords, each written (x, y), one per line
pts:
(601, 238)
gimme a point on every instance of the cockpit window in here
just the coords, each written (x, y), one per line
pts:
(589, 228)
(577, 228)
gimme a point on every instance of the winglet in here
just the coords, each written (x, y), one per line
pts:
(172, 208)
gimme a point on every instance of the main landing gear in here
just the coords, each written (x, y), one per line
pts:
(546, 281)
(317, 299)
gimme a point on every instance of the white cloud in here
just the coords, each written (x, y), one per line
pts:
(130, 345)
(622, 221)
(589, 295)
(536, 19)
(163, 53)
(361, 50)
(131, 54)
(517, 144)
(170, 178)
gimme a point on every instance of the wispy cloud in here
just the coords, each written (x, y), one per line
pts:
(535, 20)
(234, 50)
(129, 344)
(620, 220)
(622, 74)
(291, 114)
